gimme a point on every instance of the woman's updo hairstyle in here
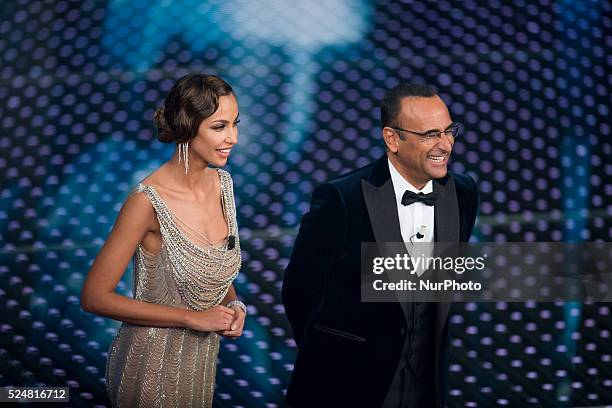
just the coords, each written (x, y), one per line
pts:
(192, 99)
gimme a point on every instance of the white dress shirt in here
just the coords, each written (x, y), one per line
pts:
(415, 215)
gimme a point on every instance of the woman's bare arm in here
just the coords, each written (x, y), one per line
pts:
(98, 296)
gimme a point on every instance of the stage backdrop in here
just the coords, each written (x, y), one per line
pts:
(79, 81)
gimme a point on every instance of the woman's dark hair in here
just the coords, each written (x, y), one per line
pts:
(192, 99)
(391, 105)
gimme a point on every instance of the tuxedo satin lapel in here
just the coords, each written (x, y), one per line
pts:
(379, 198)
(382, 211)
(446, 211)
(446, 220)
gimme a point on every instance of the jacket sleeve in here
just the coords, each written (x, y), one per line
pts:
(319, 239)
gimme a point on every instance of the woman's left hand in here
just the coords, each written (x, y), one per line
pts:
(237, 325)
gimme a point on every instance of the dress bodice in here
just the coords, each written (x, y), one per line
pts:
(184, 273)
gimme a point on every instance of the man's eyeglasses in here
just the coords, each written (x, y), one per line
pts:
(453, 130)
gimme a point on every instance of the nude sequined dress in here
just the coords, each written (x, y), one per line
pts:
(155, 367)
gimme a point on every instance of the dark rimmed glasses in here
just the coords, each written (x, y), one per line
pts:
(453, 130)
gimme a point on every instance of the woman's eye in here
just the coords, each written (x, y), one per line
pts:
(218, 128)
(237, 122)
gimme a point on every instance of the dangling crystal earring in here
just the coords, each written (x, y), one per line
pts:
(183, 151)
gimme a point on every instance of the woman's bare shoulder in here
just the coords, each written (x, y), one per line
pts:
(138, 207)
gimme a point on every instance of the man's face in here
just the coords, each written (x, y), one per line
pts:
(417, 159)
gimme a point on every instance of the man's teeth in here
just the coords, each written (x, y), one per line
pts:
(436, 158)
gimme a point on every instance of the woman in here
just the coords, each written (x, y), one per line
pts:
(179, 225)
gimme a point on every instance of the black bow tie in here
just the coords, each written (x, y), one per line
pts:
(409, 197)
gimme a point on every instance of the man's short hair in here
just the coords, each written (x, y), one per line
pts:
(392, 102)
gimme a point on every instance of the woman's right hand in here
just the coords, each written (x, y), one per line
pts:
(214, 319)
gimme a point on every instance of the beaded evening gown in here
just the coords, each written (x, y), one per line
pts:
(173, 367)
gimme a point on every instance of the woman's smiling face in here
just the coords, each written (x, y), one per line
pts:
(217, 134)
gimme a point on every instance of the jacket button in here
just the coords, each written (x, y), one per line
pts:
(402, 331)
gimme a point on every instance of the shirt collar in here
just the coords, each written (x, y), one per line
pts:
(400, 184)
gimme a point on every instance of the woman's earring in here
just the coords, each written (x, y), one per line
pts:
(183, 151)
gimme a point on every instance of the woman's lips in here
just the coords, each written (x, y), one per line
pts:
(224, 152)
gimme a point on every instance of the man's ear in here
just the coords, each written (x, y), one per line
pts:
(391, 139)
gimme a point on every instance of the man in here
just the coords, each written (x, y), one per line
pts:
(357, 354)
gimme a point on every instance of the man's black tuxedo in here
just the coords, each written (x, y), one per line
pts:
(348, 351)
